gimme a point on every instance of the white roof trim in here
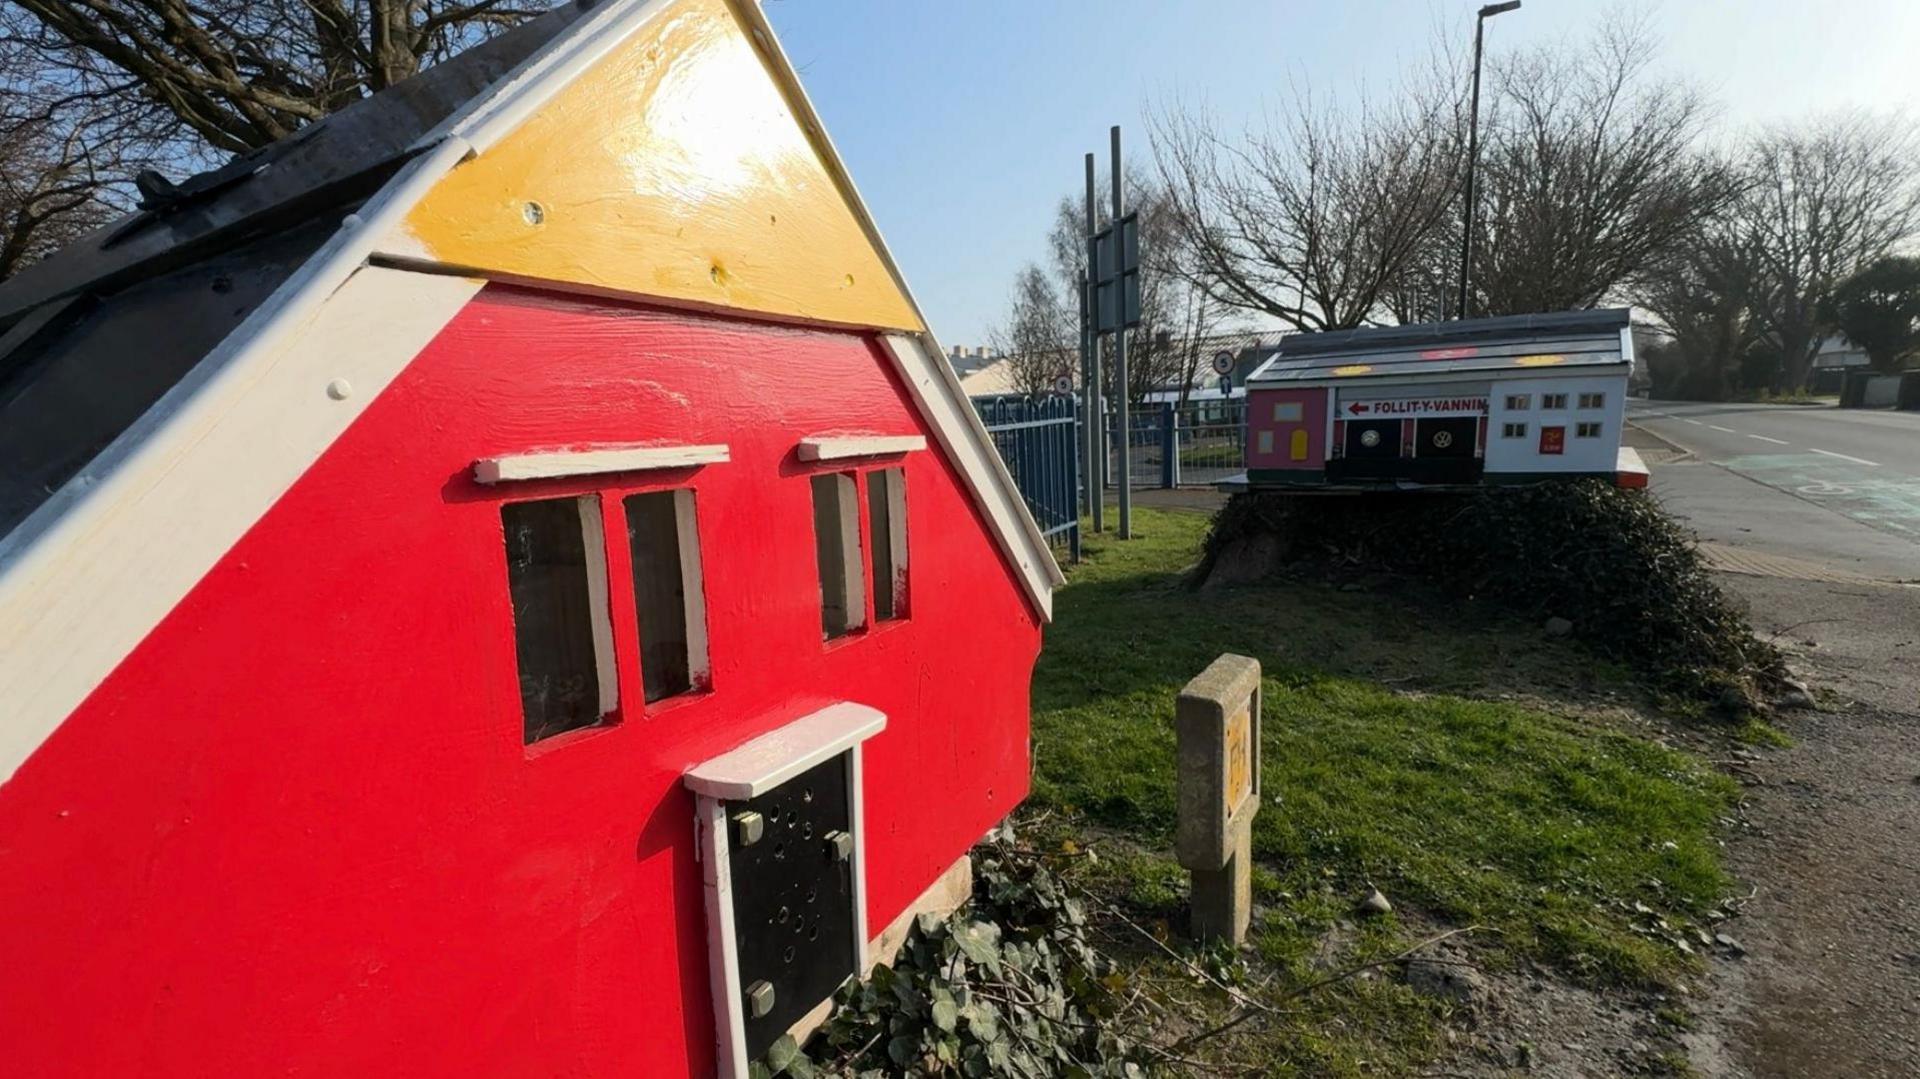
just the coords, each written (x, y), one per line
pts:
(838, 447)
(200, 468)
(556, 463)
(784, 752)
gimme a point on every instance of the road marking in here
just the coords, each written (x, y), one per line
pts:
(1728, 430)
(1824, 489)
(1844, 457)
(1696, 423)
(1775, 441)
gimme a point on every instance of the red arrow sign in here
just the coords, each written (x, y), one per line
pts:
(1419, 406)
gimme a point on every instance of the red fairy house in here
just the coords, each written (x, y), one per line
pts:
(501, 582)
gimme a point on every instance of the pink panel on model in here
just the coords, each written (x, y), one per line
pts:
(296, 831)
(1268, 411)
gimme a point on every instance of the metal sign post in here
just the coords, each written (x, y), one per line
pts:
(1121, 385)
(1096, 467)
(1114, 255)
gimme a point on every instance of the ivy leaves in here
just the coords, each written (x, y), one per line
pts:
(1007, 986)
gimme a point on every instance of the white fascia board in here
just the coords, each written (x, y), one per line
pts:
(841, 447)
(780, 754)
(82, 583)
(554, 464)
(207, 465)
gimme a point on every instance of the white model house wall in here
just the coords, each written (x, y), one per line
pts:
(1513, 433)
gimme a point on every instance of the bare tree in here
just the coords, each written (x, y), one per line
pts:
(64, 158)
(233, 75)
(1038, 338)
(1825, 198)
(1312, 220)
(48, 192)
(1701, 291)
(1589, 173)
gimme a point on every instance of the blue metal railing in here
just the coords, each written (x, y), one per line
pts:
(1039, 439)
(1192, 444)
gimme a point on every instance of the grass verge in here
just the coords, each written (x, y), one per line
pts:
(1573, 841)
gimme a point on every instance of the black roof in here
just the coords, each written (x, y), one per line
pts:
(1563, 339)
(1458, 332)
(94, 335)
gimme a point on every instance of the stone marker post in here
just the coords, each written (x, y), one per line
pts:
(1217, 719)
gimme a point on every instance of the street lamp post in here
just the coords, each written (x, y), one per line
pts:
(1473, 145)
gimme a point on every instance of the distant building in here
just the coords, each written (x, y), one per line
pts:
(1837, 351)
(966, 359)
(985, 372)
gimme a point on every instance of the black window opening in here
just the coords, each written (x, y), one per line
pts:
(887, 525)
(664, 542)
(836, 536)
(1586, 430)
(563, 640)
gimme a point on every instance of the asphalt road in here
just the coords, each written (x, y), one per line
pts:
(1835, 486)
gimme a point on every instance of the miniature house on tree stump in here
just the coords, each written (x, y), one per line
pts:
(1447, 405)
(501, 582)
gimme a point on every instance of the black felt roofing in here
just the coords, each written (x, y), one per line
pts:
(97, 333)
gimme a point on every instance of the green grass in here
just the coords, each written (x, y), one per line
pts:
(1389, 760)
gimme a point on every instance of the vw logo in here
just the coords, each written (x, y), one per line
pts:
(1442, 439)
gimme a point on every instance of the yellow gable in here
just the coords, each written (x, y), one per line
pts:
(674, 167)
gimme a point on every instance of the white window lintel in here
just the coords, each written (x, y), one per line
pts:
(842, 447)
(550, 464)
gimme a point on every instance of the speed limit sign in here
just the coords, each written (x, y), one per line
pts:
(1223, 363)
(1063, 383)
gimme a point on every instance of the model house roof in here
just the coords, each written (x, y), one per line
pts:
(165, 380)
(1569, 339)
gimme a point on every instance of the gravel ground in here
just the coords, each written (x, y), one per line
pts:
(1829, 984)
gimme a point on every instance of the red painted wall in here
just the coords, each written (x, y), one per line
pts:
(1313, 420)
(297, 832)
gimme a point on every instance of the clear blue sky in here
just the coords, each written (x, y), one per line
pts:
(964, 121)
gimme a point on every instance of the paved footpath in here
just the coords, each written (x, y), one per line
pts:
(1813, 514)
